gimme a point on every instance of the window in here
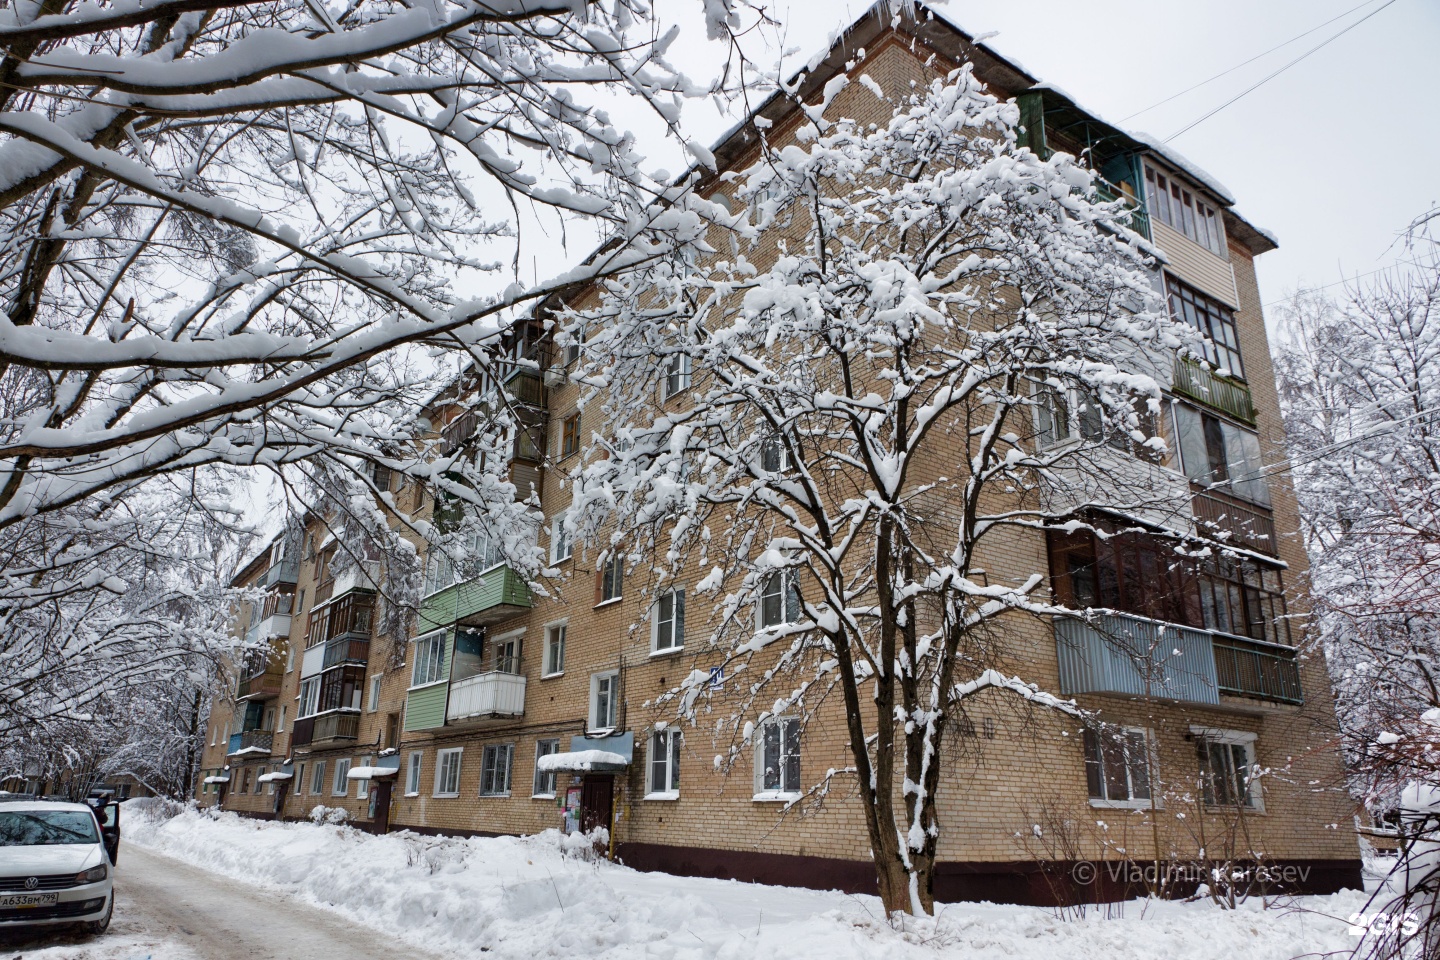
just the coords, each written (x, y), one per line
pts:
(495, 770)
(412, 773)
(268, 723)
(260, 778)
(280, 727)
(1117, 766)
(774, 455)
(612, 576)
(289, 657)
(300, 601)
(1065, 415)
(317, 778)
(572, 348)
(1227, 768)
(677, 374)
(544, 781)
(362, 787)
(481, 552)
(375, 692)
(554, 649)
(447, 772)
(777, 759)
(341, 785)
(507, 654)
(1214, 320)
(560, 547)
(668, 622)
(779, 599)
(429, 664)
(309, 698)
(604, 697)
(1184, 211)
(299, 779)
(664, 764)
(381, 476)
(570, 435)
(1216, 452)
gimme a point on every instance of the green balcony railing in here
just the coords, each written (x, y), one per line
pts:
(1228, 396)
(1249, 668)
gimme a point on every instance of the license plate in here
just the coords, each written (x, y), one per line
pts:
(22, 900)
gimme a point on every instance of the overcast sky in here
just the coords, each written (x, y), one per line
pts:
(1334, 156)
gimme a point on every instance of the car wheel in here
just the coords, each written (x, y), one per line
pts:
(97, 927)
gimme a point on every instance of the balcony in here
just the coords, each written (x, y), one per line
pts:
(275, 625)
(493, 694)
(286, 571)
(251, 741)
(323, 727)
(1235, 522)
(259, 685)
(495, 595)
(346, 648)
(1225, 395)
(1121, 654)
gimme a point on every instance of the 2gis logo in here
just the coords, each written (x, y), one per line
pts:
(1382, 923)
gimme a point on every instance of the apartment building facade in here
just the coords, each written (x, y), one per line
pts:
(448, 727)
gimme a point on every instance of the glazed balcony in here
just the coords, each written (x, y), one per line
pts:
(497, 594)
(1115, 653)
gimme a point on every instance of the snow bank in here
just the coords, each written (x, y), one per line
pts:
(525, 898)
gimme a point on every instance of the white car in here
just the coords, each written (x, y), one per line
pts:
(54, 865)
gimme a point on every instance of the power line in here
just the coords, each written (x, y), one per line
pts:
(1336, 283)
(1246, 63)
(1272, 76)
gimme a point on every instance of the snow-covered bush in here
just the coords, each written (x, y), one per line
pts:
(323, 814)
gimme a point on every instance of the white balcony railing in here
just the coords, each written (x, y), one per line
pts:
(487, 694)
(357, 576)
(275, 625)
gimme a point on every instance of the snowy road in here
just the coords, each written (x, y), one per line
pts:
(169, 910)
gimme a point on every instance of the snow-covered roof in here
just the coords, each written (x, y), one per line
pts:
(272, 777)
(370, 773)
(217, 779)
(582, 760)
(245, 750)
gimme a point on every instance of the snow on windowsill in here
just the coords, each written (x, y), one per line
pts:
(663, 795)
(666, 652)
(410, 796)
(776, 796)
(606, 603)
(552, 676)
(1099, 804)
(542, 796)
(444, 796)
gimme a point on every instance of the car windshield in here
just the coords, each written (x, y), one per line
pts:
(41, 828)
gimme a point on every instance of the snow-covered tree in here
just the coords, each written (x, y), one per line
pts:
(244, 235)
(938, 341)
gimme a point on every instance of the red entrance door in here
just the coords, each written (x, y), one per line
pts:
(596, 801)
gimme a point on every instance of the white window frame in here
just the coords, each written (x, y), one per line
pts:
(561, 549)
(340, 780)
(543, 778)
(676, 375)
(1134, 803)
(414, 766)
(496, 760)
(317, 778)
(290, 656)
(612, 576)
(362, 787)
(431, 662)
(662, 765)
(442, 771)
(284, 709)
(308, 698)
(668, 635)
(555, 666)
(784, 790)
(514, 642)
(775, 448)
(374, 704)
(787, 579)
(1240, 738)
(593, 717)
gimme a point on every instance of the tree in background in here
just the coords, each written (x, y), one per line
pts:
(955, 342)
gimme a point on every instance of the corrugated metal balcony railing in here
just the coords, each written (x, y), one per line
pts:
(487, 695)
(1118, 653)
(1197, 383)
(286, 571)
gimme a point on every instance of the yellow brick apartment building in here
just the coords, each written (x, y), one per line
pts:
(446, 725)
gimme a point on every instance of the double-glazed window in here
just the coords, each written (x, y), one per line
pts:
(664, 763)
(774, 455)
(611, 582)
(779, 599)
(668, 622)
(341, 786)
(495, 770)
(1117, 766)
(317, 777)
(375, 681)
(560, 546)
(309, 697)
(1216, 452)
(412, 773)
(481, 552)
(570, 435)
(544, 780)
(507, 654)
(1214, 320)
(429, 663)
(1227, 766)
(1183, 210)
(677, 374)
(777, 758)
(447, 772)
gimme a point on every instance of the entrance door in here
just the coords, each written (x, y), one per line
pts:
(596, 797)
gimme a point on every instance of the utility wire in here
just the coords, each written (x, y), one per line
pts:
(1250, 89)
(1325, 286)
(1246, 63)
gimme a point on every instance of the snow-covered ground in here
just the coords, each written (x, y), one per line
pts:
(527, 898)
